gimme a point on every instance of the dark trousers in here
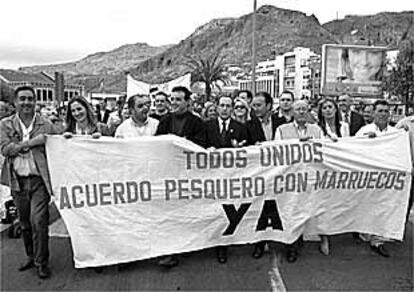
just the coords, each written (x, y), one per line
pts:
(32, 204)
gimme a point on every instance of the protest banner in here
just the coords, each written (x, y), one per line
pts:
(136, 86)
(126, 200)
(139, 87)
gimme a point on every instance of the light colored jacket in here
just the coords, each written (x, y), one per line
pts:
(10, 135)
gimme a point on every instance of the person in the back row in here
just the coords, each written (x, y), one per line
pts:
(181, 122)
(352, 118)
(162, 105)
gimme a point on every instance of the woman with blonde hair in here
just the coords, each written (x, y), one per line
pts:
(241, 112)
(210, 111)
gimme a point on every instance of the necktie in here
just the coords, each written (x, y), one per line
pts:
(347, 117)
(223, 133)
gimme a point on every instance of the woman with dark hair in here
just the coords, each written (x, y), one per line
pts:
(333, 128)
(80, 120)
(330, 122)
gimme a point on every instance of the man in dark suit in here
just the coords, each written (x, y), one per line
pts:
(284, 113)
(354, 119)
(224, 132)
(102, 113)
(262, 127)
(263, 124)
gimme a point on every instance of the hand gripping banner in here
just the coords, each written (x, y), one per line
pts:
(127, 200)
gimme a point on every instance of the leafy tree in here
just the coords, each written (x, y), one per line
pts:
(400, 81)
(208, 69)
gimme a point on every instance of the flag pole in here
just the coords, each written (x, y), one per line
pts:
(254, 48)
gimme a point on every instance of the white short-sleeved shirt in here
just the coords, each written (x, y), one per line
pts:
(129, 129)
(374, 128)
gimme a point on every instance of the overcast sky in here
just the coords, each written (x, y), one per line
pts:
(54, 31)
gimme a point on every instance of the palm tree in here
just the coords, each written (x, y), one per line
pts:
(208, 69)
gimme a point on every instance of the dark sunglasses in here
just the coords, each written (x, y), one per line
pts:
(141, 105)
(28, 98)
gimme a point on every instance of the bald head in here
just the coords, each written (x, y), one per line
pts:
(300, 110)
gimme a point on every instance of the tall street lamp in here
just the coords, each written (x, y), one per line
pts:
(254, 48)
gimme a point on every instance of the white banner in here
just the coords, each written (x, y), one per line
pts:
(126, 200)
(136, 87)
(184, 80)
(139, 87)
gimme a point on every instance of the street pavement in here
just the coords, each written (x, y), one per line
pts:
(351, 266)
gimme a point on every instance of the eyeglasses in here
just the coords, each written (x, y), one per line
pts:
(239, 107)
(28, 98)
(141, 105)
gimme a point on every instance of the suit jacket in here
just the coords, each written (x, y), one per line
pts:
(236, 131)
(193, 130)
(104, 118)
(356, 123)
(10, 135)
(255, 130)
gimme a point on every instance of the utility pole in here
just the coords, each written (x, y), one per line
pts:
(254, 48)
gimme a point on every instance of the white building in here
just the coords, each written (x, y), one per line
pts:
(297, 71)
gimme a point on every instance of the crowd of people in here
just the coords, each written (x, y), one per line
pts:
(237, 121)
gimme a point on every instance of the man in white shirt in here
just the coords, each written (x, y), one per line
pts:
(139, 124)
(299, 128)
(379, 127)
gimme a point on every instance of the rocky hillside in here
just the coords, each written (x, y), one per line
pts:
(104, 63)
(382, 29)
(278, 31)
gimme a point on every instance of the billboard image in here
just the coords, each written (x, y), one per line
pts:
(353, 70)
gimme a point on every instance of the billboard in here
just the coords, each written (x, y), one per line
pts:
(353, 70)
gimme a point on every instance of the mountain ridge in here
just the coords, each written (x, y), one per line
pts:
(278, 31)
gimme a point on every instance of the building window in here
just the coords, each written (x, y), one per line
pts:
(44, 94)
(39, 94)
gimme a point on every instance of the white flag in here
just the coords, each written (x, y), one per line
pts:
(136, 87)
(184, 80)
